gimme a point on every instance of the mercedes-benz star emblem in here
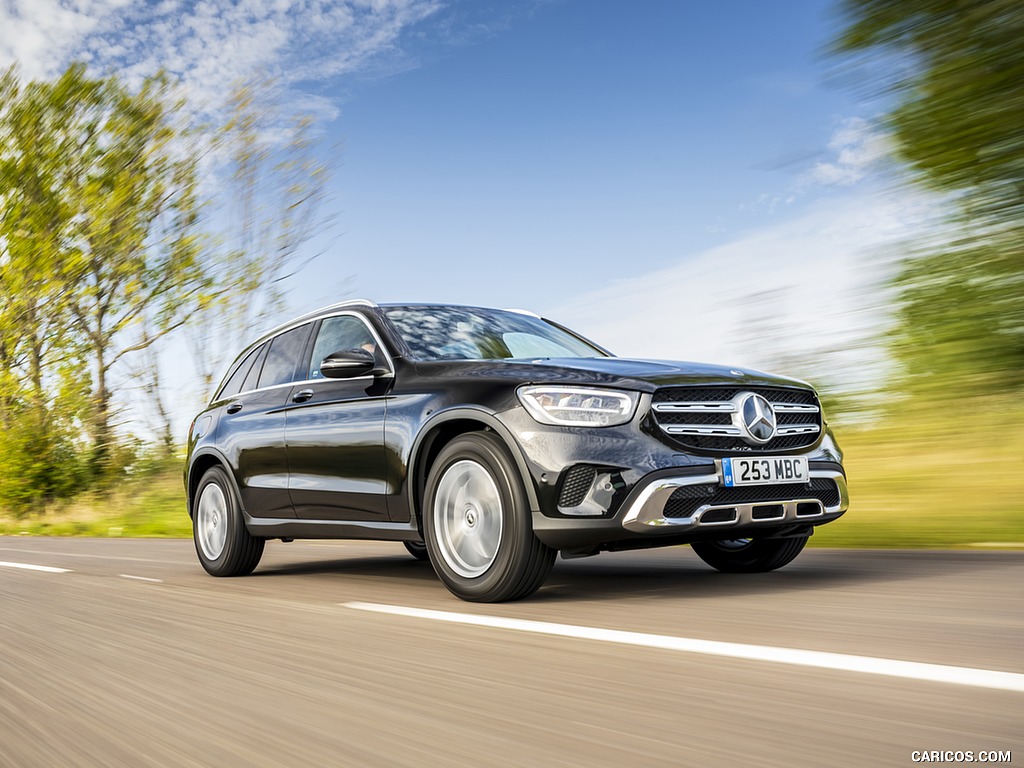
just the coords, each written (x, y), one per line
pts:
(757, 417)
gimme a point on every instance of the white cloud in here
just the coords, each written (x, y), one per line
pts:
(208, 45)
(856, 152)
(857, 147)
(801, 289)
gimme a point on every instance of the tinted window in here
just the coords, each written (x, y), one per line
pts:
(336, 335)
(468, 333)
(234, 384)
(252, 380)
(284, 357)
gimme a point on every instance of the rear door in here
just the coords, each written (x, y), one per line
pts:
(251, 428)
(335, 431)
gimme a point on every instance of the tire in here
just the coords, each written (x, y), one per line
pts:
(749, 555)
(224, 546)
(477, 523)
(417, 549)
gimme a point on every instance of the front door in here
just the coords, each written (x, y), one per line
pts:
(334, 432)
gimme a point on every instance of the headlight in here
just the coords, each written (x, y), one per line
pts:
(577, 407)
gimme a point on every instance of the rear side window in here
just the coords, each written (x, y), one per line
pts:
(284, 357)
(252, 380)
(234, 385)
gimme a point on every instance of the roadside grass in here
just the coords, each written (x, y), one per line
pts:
(940, 477)
(151, 506)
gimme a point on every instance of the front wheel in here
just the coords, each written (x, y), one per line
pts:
(477, 523)
(749, 555)
(224, 546)
(417, 549)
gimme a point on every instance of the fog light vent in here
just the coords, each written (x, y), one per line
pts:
(577, 483)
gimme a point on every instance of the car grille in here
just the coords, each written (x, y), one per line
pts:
(688, 499)
(701, 418)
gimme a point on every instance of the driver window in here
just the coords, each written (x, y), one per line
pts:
(337, 334)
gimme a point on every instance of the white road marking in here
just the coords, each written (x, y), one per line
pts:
(29, 567)
(94, 557)
(140, 578)
(911, 670)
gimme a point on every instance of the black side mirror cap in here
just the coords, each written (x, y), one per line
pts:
(349, 363)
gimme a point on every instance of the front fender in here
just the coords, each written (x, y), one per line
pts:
(432, 427)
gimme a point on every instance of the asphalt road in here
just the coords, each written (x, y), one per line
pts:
(133, 656)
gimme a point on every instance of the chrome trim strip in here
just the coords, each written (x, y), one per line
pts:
(301, 528)
(369, 525)
(726, 406)
(798, 429)
(648, 506)
(795, 408)
(646, 513)
(710, 429)
(316, 314)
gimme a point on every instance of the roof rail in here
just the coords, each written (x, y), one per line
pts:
(524, 312)
(316, 313)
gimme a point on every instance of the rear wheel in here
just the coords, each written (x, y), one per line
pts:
(477, 523)
(749, 555)
(224, 546)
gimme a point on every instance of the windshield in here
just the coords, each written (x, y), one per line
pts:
(468, 333)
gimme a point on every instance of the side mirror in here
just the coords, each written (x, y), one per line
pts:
(347, 364)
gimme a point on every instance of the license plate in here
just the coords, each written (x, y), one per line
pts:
(765, 470)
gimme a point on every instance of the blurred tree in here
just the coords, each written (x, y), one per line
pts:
(43, 387)
(956, 71)
(140, 250)
(99, 228)
(275, 188)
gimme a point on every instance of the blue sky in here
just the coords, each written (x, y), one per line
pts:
(582, 141)
(676, 179)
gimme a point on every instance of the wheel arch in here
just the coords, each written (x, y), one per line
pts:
(441, 430)
(200, 464)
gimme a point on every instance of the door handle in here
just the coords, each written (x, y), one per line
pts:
(302, 395)
(234, 407)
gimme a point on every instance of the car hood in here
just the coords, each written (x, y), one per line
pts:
(626, 373)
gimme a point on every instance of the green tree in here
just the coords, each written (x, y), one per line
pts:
(137, 271)
(102, 248)
(954, 70)
(43, 387)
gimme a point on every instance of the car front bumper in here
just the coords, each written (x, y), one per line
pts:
(642, 520)
(645, 511)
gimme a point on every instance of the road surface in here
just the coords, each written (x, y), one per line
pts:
(125, 653)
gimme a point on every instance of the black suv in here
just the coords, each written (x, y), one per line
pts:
(489, 440)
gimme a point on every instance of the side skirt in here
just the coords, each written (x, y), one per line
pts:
(290, 528)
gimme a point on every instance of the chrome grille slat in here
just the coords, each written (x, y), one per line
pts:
(694, 429)
(795, 408)
(695, 407)
(799, 429)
